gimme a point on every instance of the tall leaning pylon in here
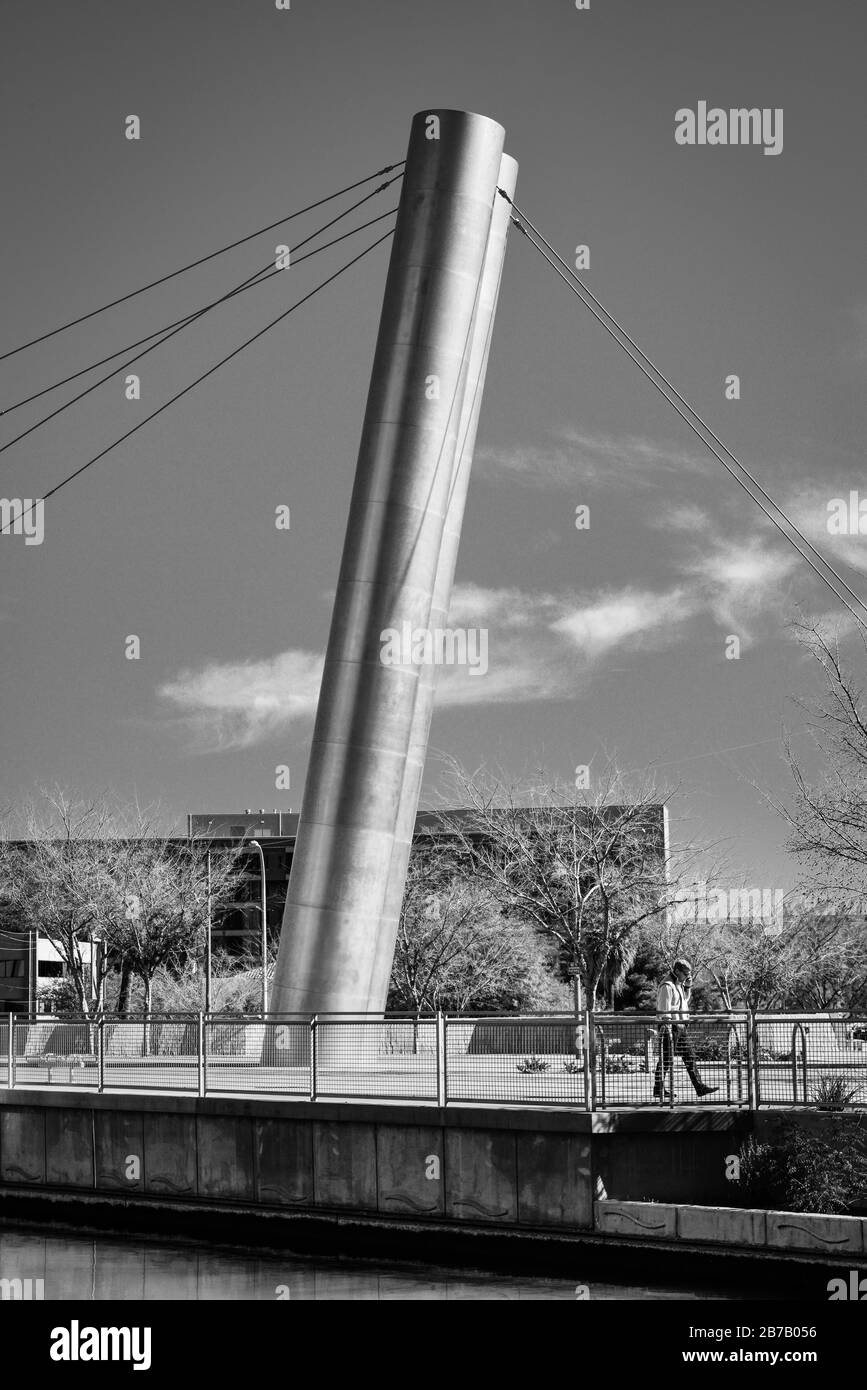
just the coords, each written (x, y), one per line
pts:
(477, 366)
(365, 763)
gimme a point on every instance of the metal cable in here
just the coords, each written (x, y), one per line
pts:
(184, 323)
(197, 382)
(519, 221)
(201, 261)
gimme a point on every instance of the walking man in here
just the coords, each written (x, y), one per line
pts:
(672, 1007)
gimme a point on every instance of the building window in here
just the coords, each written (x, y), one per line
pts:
(12, 969)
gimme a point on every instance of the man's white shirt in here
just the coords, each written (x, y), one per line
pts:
(672, 1001)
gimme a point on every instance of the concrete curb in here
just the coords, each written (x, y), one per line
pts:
(734, 1226)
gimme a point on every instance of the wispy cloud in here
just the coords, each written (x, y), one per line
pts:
(743, 583)
(627, 618)
(526, 661)
(473, 604)
(571, 458)
(235, 704)
(541, 645)
(515, 676)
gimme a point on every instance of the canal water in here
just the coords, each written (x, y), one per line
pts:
(75, 1267)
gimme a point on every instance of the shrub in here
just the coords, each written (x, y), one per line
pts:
(618, 1064)
(805, 1172)
(532, 1064)
(832, 1093)
(763, 1179)
(622, 1064)
(826, 1177)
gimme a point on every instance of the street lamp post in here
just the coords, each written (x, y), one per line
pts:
(208, 943)
(254, 844)
(33, 982)
(208, 924)
(97, 939)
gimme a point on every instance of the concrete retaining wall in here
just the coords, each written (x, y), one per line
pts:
(403, 1161)
(533, 1171)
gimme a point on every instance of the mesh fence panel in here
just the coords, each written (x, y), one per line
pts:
(270, 1057)
(645, 1061)
(376, 1058)
(54, 1052)
(151, 1053)
(4, 1051)
(811, 1060)
(515, 1061)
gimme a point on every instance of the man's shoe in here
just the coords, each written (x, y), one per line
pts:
(703, 1090)
(661, 1095)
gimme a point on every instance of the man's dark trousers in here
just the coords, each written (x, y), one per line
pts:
(675, 1043)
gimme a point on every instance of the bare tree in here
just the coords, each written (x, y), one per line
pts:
(829, 955)
(828, 820)
(458, 949)
(586, 868)
(236, 984)
(57, 881)
(165, 891)
(106, 891)
(748, 965)
(814, 958)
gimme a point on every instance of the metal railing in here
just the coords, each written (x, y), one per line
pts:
(642, 1059)
(817, 1060)
(600, 1062)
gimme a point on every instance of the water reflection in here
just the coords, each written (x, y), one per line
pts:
(77, 1268)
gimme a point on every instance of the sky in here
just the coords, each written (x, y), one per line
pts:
(719, 260)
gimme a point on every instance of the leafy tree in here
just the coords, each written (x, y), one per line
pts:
(649, 966)
(59, 997)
